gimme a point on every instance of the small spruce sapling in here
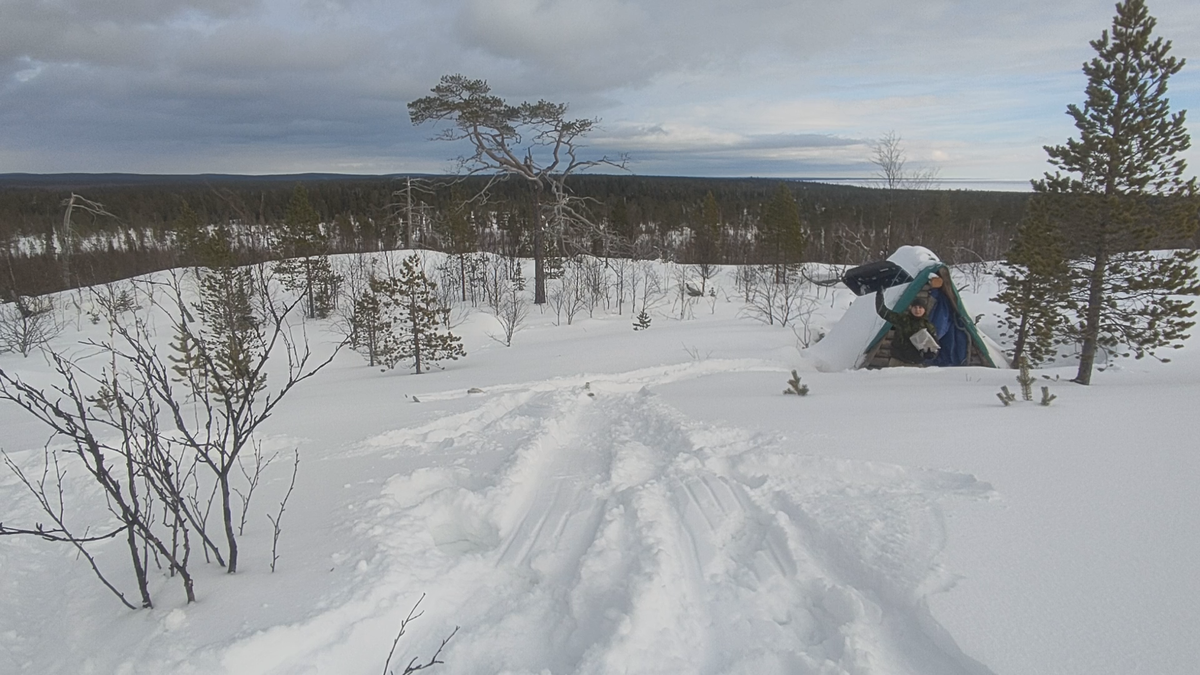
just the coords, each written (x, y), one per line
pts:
(642, 322)
(794, 386)
(1026, 380)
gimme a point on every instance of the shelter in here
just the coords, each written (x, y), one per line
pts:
(863, 340)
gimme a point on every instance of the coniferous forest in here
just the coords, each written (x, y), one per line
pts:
(126, 225)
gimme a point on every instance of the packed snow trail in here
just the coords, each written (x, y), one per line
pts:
(572, 529)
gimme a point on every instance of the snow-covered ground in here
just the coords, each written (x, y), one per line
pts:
(619, 501)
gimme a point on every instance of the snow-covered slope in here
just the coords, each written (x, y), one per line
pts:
(650, 502)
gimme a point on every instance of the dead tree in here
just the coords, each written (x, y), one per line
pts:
(66, 243)
(889, 156)
(409, 203)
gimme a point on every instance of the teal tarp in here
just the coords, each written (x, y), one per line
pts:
(964, 323)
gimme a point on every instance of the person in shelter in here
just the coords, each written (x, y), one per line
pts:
(914, 340)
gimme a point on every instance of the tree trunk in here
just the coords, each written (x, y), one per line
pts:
(1091, 329)
(412, 313)
(539, 257)
(227, 515)
(408, 230)
(1023, 329)
(308, 288)
(462, 274)
(139, 569)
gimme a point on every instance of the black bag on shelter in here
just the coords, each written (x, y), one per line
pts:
(871, 277)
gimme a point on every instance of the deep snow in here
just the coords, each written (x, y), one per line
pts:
(650, 502)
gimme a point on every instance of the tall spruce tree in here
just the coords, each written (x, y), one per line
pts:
(1122, 183)
(1036, 286)
(305, 247)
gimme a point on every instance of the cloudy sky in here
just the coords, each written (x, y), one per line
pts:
(975, 88)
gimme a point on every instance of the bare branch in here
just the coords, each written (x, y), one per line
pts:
(414, 665)
(277, 518)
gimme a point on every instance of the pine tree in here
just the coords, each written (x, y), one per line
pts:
(370, 326)
(231, 337)
(410, 305)
(1036, 286)
(305, 247)
(190, 234)
(219, 341)
(187, 359)
(1122, 183)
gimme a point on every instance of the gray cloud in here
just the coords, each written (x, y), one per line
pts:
(272, 85)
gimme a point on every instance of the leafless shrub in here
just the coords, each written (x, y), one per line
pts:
(112, 434)
(506, 301)
(595, 281)
(252, 476)
(453, 311)
(803, 329)
(685, 293)
(105, 413)
(778, 299)
(622, 268)
(27, 324)
(645, 286)
(569, 297)
(975, 270)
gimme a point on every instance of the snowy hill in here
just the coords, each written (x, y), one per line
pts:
(620, 501)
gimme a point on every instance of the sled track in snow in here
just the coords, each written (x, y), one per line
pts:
(611, 534)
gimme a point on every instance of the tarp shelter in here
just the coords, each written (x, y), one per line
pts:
(863, 340)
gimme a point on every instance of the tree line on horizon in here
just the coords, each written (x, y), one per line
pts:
(687, 220)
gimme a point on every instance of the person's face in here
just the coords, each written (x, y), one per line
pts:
(917, 310)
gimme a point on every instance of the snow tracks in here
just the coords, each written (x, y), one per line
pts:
(573, 529)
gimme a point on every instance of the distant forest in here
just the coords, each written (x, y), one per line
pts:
(626, 216)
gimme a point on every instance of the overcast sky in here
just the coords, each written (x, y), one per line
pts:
(974, 88)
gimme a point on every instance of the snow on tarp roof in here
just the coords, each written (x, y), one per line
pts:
(844, 346)
(913, 259)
